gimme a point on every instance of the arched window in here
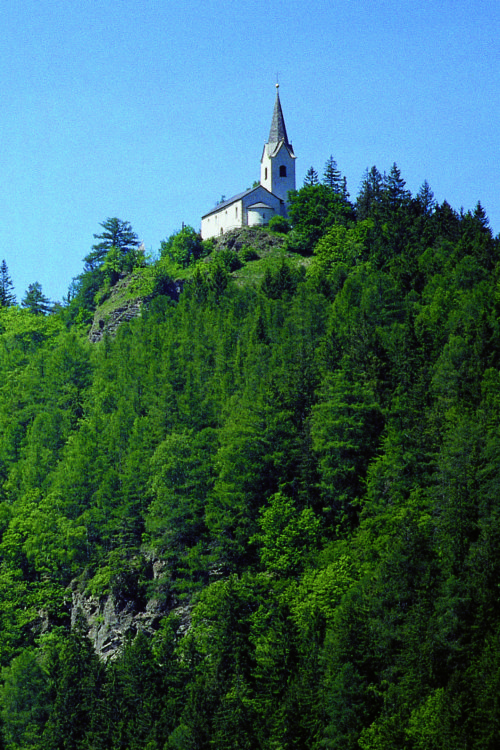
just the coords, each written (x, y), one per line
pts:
(265, 173)
(282, 171)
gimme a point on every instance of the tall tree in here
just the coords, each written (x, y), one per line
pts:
(36, 301)
(370, 193)
(311, 177)
(425, 198)
(332, 177)
(118, 234)
(395, 193)
(7, 296)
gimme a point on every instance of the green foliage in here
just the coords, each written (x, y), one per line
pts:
(183, 247)
(117, 234)
(313, 210)
(117, 254)
(7, 296)
(281, 281)
(229, 260)
(248, 254)
(24, 700)
(288, 537)
(35, 300)
(279, 224)
(300, 467)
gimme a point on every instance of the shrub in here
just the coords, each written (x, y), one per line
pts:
(247, 254)
(229, 260)
(279, 224)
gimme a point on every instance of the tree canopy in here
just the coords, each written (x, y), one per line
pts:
(264, 512)
(117, 234)
(35, 300)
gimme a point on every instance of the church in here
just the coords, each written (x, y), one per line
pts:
(256, 206)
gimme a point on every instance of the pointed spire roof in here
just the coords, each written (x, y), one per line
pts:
(278, 129)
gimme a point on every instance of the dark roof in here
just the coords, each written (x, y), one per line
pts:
(278, 129)
(235, 198)
(238, 197)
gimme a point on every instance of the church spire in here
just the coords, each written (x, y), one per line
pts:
(277, 165)
(278, 129)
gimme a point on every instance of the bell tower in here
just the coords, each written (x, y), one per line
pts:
(277, 165)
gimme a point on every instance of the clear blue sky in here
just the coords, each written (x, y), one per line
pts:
(150, 110)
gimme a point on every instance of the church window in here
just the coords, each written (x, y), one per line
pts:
(236, 211)
(265, 173)
(282, 171)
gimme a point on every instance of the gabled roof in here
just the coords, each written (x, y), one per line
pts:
(224, 204)
(258, 205)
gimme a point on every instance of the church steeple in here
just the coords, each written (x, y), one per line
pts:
(278, 129)
(277, 165)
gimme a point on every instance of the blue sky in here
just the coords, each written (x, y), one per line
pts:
(151, 110)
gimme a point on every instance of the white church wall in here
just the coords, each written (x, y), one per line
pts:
(220, 222)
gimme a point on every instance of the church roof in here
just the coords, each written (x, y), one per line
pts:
(228, 202)
(225, 204)
(278, 129)
(278, 135)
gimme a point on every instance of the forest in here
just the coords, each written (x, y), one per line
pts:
(297, 460)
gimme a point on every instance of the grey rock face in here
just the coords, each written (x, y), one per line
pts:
(109, 620)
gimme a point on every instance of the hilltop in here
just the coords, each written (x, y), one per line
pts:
(264, 511)
(256, 251)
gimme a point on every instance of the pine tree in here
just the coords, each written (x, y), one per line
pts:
(395, 192)
(311, 177)
(370, 193)
(117, 233)
(7, 296)
(425, 197)
(332, 177)
(36, 301)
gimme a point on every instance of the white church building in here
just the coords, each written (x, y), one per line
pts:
(256, 206)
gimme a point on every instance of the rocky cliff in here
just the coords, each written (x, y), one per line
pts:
(126, 301)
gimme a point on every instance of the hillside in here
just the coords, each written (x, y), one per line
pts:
(262, 512)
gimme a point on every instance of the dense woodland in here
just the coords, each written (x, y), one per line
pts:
(315, 459)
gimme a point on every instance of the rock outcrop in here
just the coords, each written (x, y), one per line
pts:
(110, 322)
(121, 306)
(257, 238)
(110, 619)
(125, 609)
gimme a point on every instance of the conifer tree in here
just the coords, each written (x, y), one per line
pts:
(425, 197)
(7, 296)
(370, 194)
(311, 177)
(36, 301)
(332, 177)
(117, 233)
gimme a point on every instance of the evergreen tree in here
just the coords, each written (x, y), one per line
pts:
(117, 234)
(35, 300)
(395, 193)
(425, 197)
(311, 177)
(370, 194)
(332, 177)
(7, 296)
